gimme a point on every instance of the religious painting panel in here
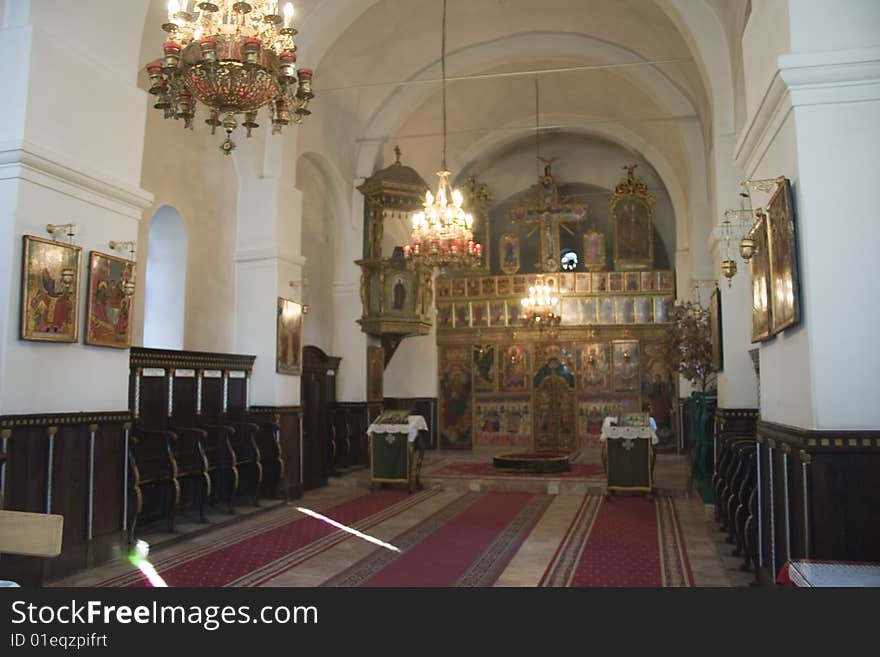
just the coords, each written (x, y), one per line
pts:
(473, 287)
(589, 308)
(555, 427)
(594, 250)
(600, 282)
(626, 311)
(488, 286)
(399, 292)
(50, 290)
(582, 283)
(625, 358)
(516, 365)
(715, 330)
(632, 212)
(108, 307)
(455, 402)
(666, 281)
(503, 422)
(593, 367)
(443, 287)
(648, 281)
(375, 373)
(504, 286)
(485, 371)
(782, 248)
(462, 314)
(606, 310)
(459, 287)
(444, 315)
(760, 266)
(661, 310)
(658, 384)
(644, 310)
(566, 283)
(479, 314)
(508, 253)
(497, 313)
(615, 281)
(571, 311)
(288, 354)
(519, 285)
(632, 280)
(592, 412)
(547, 353)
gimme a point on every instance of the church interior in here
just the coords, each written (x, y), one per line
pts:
(542, 294)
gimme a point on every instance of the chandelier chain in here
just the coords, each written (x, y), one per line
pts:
(443, 74)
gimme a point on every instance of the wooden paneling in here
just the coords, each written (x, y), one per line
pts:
(287, 419)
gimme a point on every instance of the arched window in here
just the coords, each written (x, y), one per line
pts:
(166, 280)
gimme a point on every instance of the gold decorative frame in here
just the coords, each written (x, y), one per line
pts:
(594, 250)
(49, 290)
(760, 266)
(631, 199)
(715, 328)
(288, 343)
(782, 251)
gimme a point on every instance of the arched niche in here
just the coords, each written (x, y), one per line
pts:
(165, 296)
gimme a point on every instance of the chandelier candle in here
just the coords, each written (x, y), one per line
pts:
(234, 58)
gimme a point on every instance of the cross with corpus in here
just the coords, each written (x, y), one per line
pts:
(548, 215)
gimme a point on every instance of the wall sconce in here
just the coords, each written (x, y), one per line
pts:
(121, 246)
(305, 309)
(67, 229)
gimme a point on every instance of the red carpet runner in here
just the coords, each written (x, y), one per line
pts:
(285, 536)
(467, 543)
(576, 471)
(627, 541)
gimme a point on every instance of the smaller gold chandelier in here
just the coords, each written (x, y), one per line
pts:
(540, 308)
(234, 57)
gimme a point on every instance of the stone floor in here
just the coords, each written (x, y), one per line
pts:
(708, 553)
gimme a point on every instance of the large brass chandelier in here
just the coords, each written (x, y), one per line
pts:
(234, 57)
(442, 235)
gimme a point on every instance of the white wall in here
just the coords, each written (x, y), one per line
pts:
(165, 287)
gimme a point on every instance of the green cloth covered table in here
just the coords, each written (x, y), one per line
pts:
(628, 457)
(395, 451)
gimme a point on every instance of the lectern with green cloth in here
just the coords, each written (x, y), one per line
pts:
(628, 452)
(395, 451)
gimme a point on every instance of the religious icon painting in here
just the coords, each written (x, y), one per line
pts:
(515, 367)
(760, 266)
(473, 287)
(375, 373)
(488, 286)
(444, 315)
(566, 283)
(462, 315)
(615, 281)
(660, 310)
(649, 281)
(632, 212)
(455, 398)
(508, 253)
(593, 362)
(479, 314)
(589, 310)
(503, 285)
(582, 283)
(288, 354)
(570, 311)
(715, 330)
(485, 376)
(50, 290)
(600, 282)
(644, 310)
(594, 250)
(519, 285)
(625, 355)
(459, 289)
(632, 281)
(665, 281)
(782, 251)
(497, 313)
(109, 301)
(626, 311)
(399, 297)
(443, 287)
(606, 310)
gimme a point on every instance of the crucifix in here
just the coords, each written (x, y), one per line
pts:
(549, 215)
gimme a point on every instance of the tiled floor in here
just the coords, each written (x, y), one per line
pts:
(709, 555)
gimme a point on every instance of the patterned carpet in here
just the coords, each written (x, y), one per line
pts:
(622, 541)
